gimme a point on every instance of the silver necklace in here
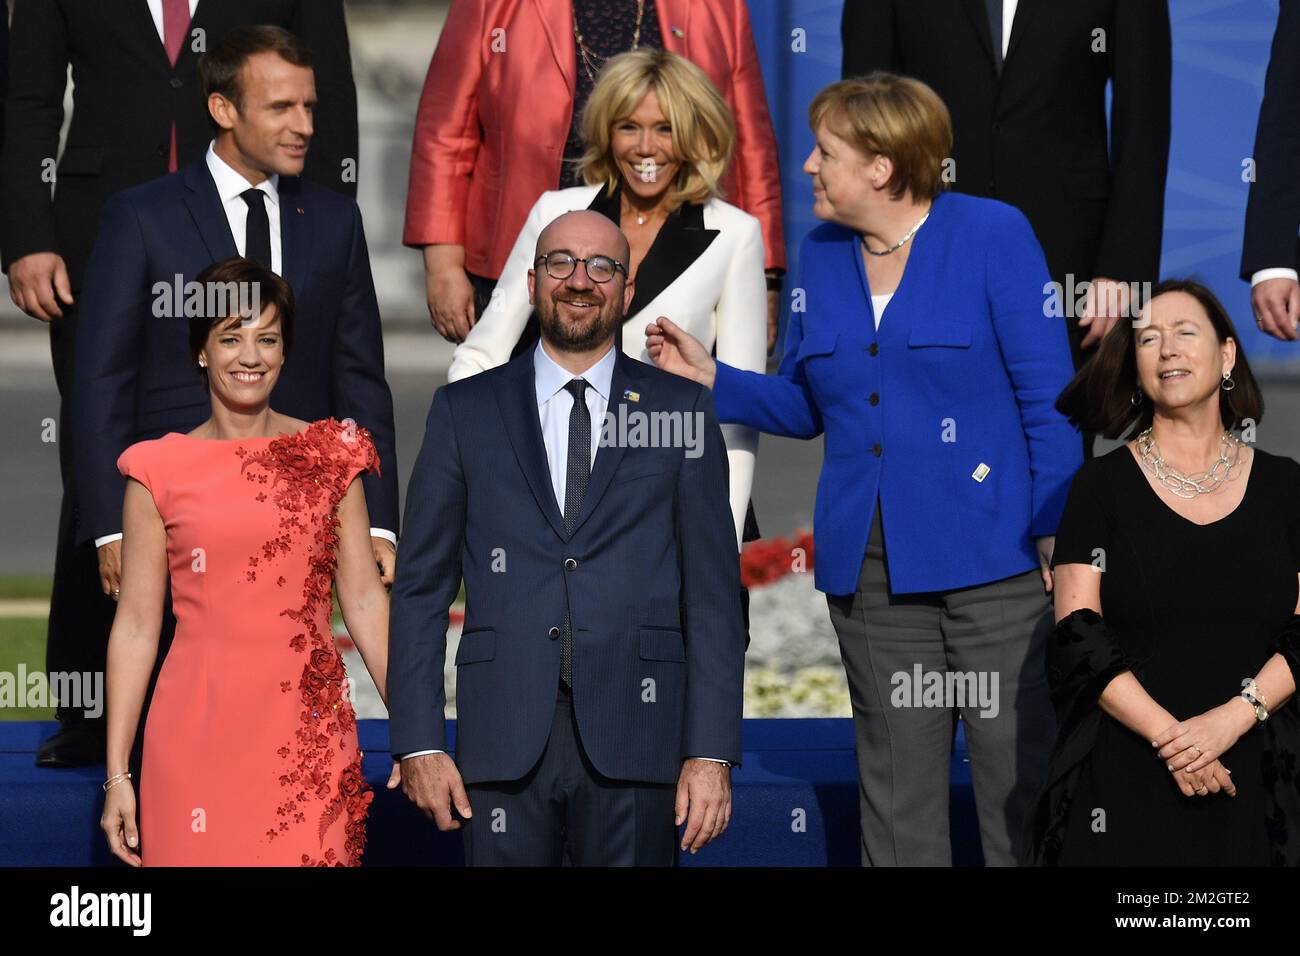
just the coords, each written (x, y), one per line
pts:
(900, 243)
(1189, 486)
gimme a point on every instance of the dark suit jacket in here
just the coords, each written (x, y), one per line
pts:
(652, 589)
(134, 376)
(4, 64)
(126, 98)
(1036, 136)
(1273, 209)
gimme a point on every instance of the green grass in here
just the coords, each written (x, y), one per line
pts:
(22, 641)
(26, 586)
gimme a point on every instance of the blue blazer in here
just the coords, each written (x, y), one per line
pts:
(963, 373)
(650, 578)
(134, 378)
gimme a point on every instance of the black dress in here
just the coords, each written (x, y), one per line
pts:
(1191, 610)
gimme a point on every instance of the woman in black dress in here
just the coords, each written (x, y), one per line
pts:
(1177, 645)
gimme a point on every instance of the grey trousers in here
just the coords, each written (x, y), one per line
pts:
(978, 651)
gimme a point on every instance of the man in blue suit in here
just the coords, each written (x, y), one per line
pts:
(600, 669)
(133, 377)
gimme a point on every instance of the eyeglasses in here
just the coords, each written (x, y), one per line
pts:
(560, 265)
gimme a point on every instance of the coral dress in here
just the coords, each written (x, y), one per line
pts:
(250, 747)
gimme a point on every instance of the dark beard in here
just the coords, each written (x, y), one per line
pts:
(568, 339)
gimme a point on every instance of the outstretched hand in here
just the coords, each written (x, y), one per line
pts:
(676, 350)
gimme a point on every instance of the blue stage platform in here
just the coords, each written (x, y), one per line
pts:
(795, 804)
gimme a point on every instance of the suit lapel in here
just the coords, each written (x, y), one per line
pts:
(1024, 11)
(681, 240)
(557, 24)
(142, 26)
(675, 15)
(517, 401)
(203, 14)
(979, 18)
(628, 373)
(205, 208)
(295, 233)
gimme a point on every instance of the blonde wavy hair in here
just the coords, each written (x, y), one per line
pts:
(703, 130)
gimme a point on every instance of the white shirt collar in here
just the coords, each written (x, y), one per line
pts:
(549, 377)
(231, 184)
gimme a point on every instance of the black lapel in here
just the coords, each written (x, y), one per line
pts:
(143, 27)
(517, 400)
(205, 207)
(1024, 11)
(629, 374)
(202, 18)
(295, 232)
(979, 17)
(681, 240)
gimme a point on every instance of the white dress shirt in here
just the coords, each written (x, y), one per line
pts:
(554, 405)
(155, 11)
(1008, 18)
(230, 186)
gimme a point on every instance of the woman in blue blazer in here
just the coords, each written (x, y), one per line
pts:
(921, 344)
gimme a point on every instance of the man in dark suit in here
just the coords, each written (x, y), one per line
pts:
(1270, 255)
(4, 64)
(245, 197)
(600, 668)
(138, 112)
(1025, 82)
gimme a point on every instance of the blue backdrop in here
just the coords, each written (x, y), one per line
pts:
(1220, 53)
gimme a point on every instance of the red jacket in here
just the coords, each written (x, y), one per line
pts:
(497, 102)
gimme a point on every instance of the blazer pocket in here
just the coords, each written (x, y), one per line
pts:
(477, 646)
(817, 342)
(949, 334)
(662, 646)
(638, 471)
(81, 161)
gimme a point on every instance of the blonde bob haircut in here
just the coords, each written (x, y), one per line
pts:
(703, 131)
(884, 114)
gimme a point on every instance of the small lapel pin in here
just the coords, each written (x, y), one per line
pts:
(980, 473)
(300, 210)
(631, 396)
(677, 32)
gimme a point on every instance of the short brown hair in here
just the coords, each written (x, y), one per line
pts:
(884, 114)
(1100, 397)
(272, 291)
(219, 69)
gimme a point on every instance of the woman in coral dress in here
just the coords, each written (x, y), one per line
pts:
(250, 747)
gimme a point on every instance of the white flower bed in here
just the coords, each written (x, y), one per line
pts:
(792, 668)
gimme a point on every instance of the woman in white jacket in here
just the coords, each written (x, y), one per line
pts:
(659, 138)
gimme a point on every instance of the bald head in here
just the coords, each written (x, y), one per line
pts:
(579, 315)
(582, 233)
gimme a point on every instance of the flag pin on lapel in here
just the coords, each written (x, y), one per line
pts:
(677, 32)
(980, 473)
(300, 209)
(631, 396)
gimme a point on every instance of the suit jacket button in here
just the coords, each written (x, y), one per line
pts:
(875, 398)
(875, 349)
(570, 564)
(553, 633)
(876, 449)
(175, 82)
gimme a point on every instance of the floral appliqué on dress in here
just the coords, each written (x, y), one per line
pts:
(306, 476)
